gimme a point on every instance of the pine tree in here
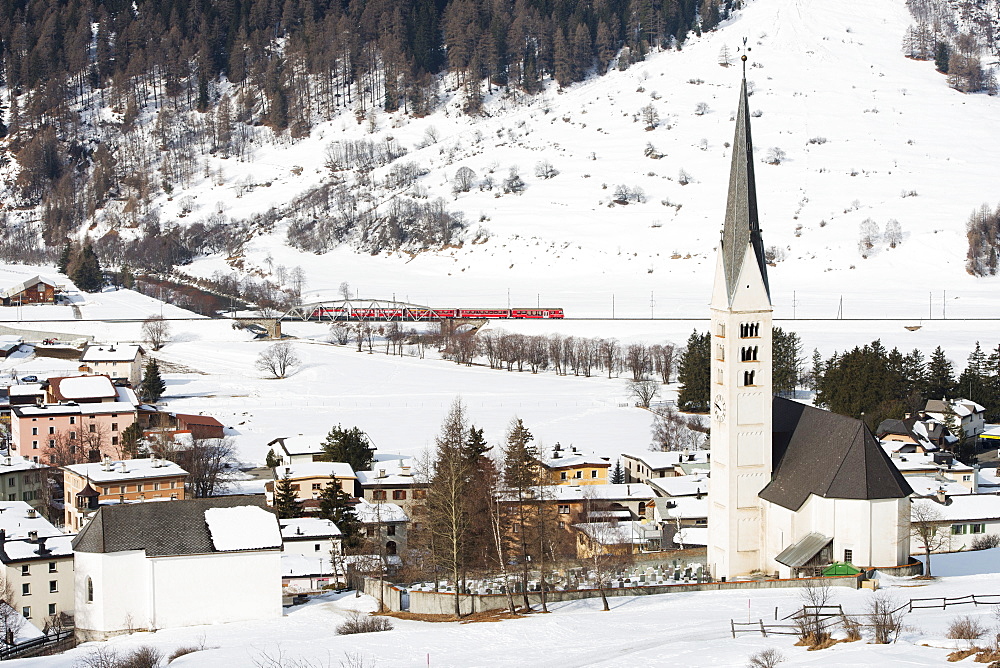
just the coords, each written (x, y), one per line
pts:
(519, 464)
(335, 505)
(65, 257)
(693, 374)
(618, 474)
(152, 386)
(88, 275)
(974, 382)
(286, 502)
(940, 376)
(131, 437)
(351, 446)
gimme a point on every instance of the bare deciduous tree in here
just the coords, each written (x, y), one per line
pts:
(927, 528)
(156, 331)
(464, 179)
(278, 360)
(893, 233)
(650, 116)
(545, 170)
(643, 391)
(340, 333)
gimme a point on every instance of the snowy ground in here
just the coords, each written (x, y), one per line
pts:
(684, 629)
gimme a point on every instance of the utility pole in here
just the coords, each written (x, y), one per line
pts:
(652, 303)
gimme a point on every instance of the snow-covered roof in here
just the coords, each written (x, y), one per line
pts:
(17, 518)
(28, 389)
(371, 513)
(637, 491)
(299, 445)
(18, 288)
(988, 477)
(307, 527)
(242, 528)
(298, 470)
(618, 533)
(12, 464)
(389, 469)
(929, 486)
(681, 485)
(681, 507)
(25, 629)
(111, 353)
(965, 508)
(75, 388)
(567, 459)
(656, 461)
(692, 536)
(60, 545)
(917, 462)
(130, 469)
(104, 408)
(300, 565)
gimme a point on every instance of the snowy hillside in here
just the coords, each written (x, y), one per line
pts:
(899, 144)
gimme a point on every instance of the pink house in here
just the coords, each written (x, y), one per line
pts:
(60, 434)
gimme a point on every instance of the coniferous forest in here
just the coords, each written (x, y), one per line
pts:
(111, 100)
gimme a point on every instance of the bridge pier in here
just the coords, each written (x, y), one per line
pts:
(271, 325)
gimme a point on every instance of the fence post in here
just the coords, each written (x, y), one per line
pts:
(762, 629)
(732, 627)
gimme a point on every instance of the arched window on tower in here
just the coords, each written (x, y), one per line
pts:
(748, 354)
(748, 378)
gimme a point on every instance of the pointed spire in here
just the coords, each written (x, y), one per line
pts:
(742, 227)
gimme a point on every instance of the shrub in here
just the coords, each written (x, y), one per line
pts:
(107, 657)
(765, 658)
(358, 623)
(965, 627)
(985, 542)
(886, 618)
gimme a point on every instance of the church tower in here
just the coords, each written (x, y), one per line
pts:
(740, 383)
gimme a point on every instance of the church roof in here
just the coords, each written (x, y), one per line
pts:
(742, 227)
(829, 455)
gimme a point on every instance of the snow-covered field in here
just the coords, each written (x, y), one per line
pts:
(683, 629)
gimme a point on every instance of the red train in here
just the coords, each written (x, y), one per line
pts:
(417, 313)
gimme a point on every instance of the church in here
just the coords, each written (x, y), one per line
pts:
(793, 487)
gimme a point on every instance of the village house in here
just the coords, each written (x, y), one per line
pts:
(288, 450)
(9, 344)
(116, 361)
(653, 465)
(941, 465)
(26, 394)
(35, 290)
(38, 563)
(571, 467)
(913, 434)
(968, 416)
(178, 426)
(309, 479)
(385, 524)
(963, 520)
(174, 564)
(392, 479)
(50, 432)
(23, 480)
(310, 554)
(88, 487)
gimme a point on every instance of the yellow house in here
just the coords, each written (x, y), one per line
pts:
(570, 467)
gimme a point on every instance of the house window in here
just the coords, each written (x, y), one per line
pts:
(53, 567)
(316, 547)
(390, 530)
(370, 531)
(52, 430)
(966, 478)
(72, 436)
(399, 495)
(420, 494)
(977, 528)
(138, 487)
(34, 431)
(34, 445)
(959, 529)
(92, 428)
(11, 481)
(593, 474)
(53, 586)
(90, 590)
(564, 510)
(317, 485)
(12, 497)
(52, 442)
(26, 611)
(114, 440)
(562, 475)
(114, 426)
(378, 495)
(72, 419)
(52, 609)
(849, 556)
(578, 474)
(121, 489)
(26, 589)
(642, 507)
(25, 569)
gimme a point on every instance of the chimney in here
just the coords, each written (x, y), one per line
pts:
(288, 471)
(32, 536)
(941, 497)
(556, 454)
(124, 467)
(32, 513)
(3, 536)
(698, 494)
(41, 546)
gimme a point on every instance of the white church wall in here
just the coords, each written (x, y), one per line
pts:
(121, 593)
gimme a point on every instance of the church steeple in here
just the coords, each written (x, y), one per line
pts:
(742, 227)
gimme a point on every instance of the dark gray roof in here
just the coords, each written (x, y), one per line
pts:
(161, 528)
(829, 455)
(799, 553)
(742, 226)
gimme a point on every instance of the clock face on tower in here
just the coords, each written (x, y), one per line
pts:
(720, 408)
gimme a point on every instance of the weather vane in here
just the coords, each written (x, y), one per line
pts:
(746, 50)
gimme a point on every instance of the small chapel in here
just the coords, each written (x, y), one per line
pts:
(793, 487)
